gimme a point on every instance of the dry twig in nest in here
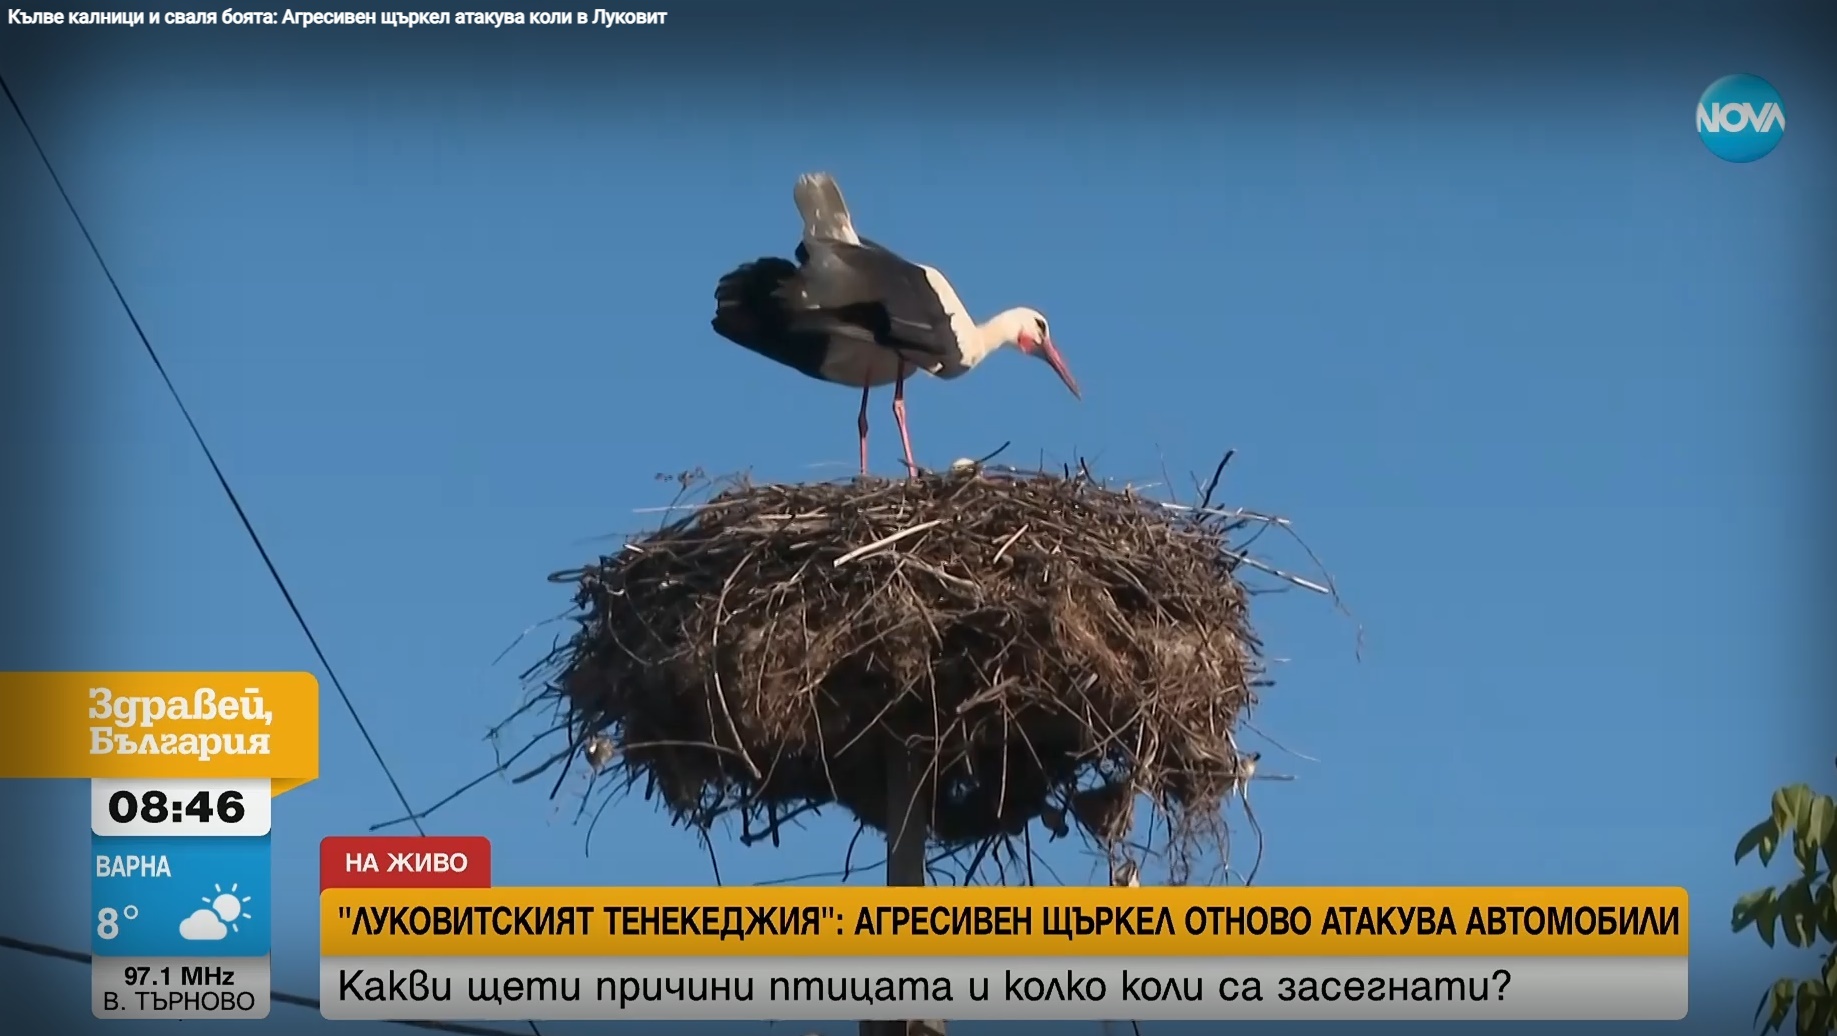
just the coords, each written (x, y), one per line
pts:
(1046, 645)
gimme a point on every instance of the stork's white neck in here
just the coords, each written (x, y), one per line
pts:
(1001, 330)
(974, 341)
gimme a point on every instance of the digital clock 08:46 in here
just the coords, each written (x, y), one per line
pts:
(176, 807)
(153, 806)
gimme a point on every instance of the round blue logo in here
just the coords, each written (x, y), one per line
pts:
(1740, 118)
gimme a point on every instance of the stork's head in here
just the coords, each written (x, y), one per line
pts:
(1032, 336)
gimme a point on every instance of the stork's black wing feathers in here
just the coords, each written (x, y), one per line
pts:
(749, 312)
(803, 253)
(746, 308)
(871, 287)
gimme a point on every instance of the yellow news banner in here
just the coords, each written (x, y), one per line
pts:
(1071, 922)
(139, 726)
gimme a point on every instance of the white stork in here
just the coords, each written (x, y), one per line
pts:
(852, 312)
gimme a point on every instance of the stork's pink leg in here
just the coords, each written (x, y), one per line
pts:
(861, 426)
(899, 414)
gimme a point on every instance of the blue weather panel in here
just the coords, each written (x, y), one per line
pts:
(181, 897)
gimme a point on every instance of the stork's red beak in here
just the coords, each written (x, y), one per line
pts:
(1045, 351)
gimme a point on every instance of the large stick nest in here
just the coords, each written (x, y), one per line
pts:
(1043, 645)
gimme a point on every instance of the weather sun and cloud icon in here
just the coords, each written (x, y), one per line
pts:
(218, 919)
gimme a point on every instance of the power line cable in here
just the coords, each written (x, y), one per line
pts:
(216, 469)
(196, 434)
(39, 949)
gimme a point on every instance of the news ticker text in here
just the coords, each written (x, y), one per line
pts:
(291, 19)
(1006, 988)
(977, 922)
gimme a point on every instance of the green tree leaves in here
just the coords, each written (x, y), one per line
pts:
(1760, 909)
(1803, 910)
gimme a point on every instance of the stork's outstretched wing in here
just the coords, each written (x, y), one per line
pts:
(874, 288)
(819, 200)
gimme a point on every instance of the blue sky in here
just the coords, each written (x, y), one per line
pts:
(1544, 398)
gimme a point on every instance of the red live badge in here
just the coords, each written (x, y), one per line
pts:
(404, 862)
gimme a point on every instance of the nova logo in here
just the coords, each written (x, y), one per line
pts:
(1740, 118)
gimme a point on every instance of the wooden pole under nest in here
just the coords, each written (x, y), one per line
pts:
(908, 827)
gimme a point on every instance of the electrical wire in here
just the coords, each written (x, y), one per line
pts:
(216, 469)
(223, 481)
